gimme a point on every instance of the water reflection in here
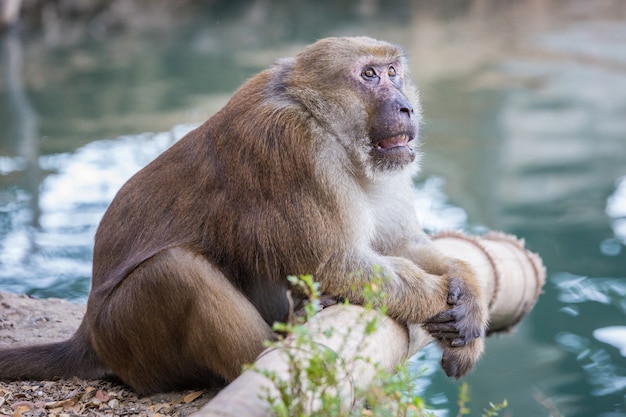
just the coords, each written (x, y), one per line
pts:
(575, 289)
(616, 209)
(52, 255)
(603, 374)
(614, 336)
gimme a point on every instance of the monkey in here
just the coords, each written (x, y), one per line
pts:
(307, 169)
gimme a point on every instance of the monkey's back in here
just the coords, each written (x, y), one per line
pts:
(241, 190)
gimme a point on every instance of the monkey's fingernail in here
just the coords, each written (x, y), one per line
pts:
(458, 343)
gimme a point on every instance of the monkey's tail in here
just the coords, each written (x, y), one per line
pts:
(72, 357)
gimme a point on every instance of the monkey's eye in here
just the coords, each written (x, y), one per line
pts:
(369, 73)
(391, 72)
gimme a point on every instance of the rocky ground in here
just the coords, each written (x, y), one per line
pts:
(24, 320)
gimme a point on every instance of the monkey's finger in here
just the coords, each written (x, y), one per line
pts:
(445, 338)
(443, 317)
(449, 327)
(470, 332)
(327, 300)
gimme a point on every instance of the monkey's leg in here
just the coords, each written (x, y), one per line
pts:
(177, 322)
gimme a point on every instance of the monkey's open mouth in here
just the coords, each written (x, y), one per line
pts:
(398, 141)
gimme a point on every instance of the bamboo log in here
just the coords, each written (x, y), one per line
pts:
(511, 278)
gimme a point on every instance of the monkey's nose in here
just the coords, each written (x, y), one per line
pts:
(404, 107)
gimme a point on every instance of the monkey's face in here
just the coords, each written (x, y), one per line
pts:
(359, 91)
(392, 121)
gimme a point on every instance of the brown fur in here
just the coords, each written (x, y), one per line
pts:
(294, 175)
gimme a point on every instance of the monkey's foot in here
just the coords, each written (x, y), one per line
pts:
(325, 300)
(458, 361)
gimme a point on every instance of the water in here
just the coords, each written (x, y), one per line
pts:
(525, 109)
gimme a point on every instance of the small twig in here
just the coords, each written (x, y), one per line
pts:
(547, 403)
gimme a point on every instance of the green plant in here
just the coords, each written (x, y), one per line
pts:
(464, 398)
(317, 381)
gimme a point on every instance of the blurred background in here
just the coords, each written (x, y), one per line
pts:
(525, 132)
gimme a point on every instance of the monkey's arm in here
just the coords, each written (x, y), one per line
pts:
(422, 286)
(414, 294)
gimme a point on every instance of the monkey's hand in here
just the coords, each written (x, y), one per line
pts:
(460, 328)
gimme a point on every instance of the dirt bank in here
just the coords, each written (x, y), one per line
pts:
(25, 320)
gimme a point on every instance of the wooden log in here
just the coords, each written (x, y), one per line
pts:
(511, 278)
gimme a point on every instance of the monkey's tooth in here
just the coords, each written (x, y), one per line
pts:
(393, 142)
